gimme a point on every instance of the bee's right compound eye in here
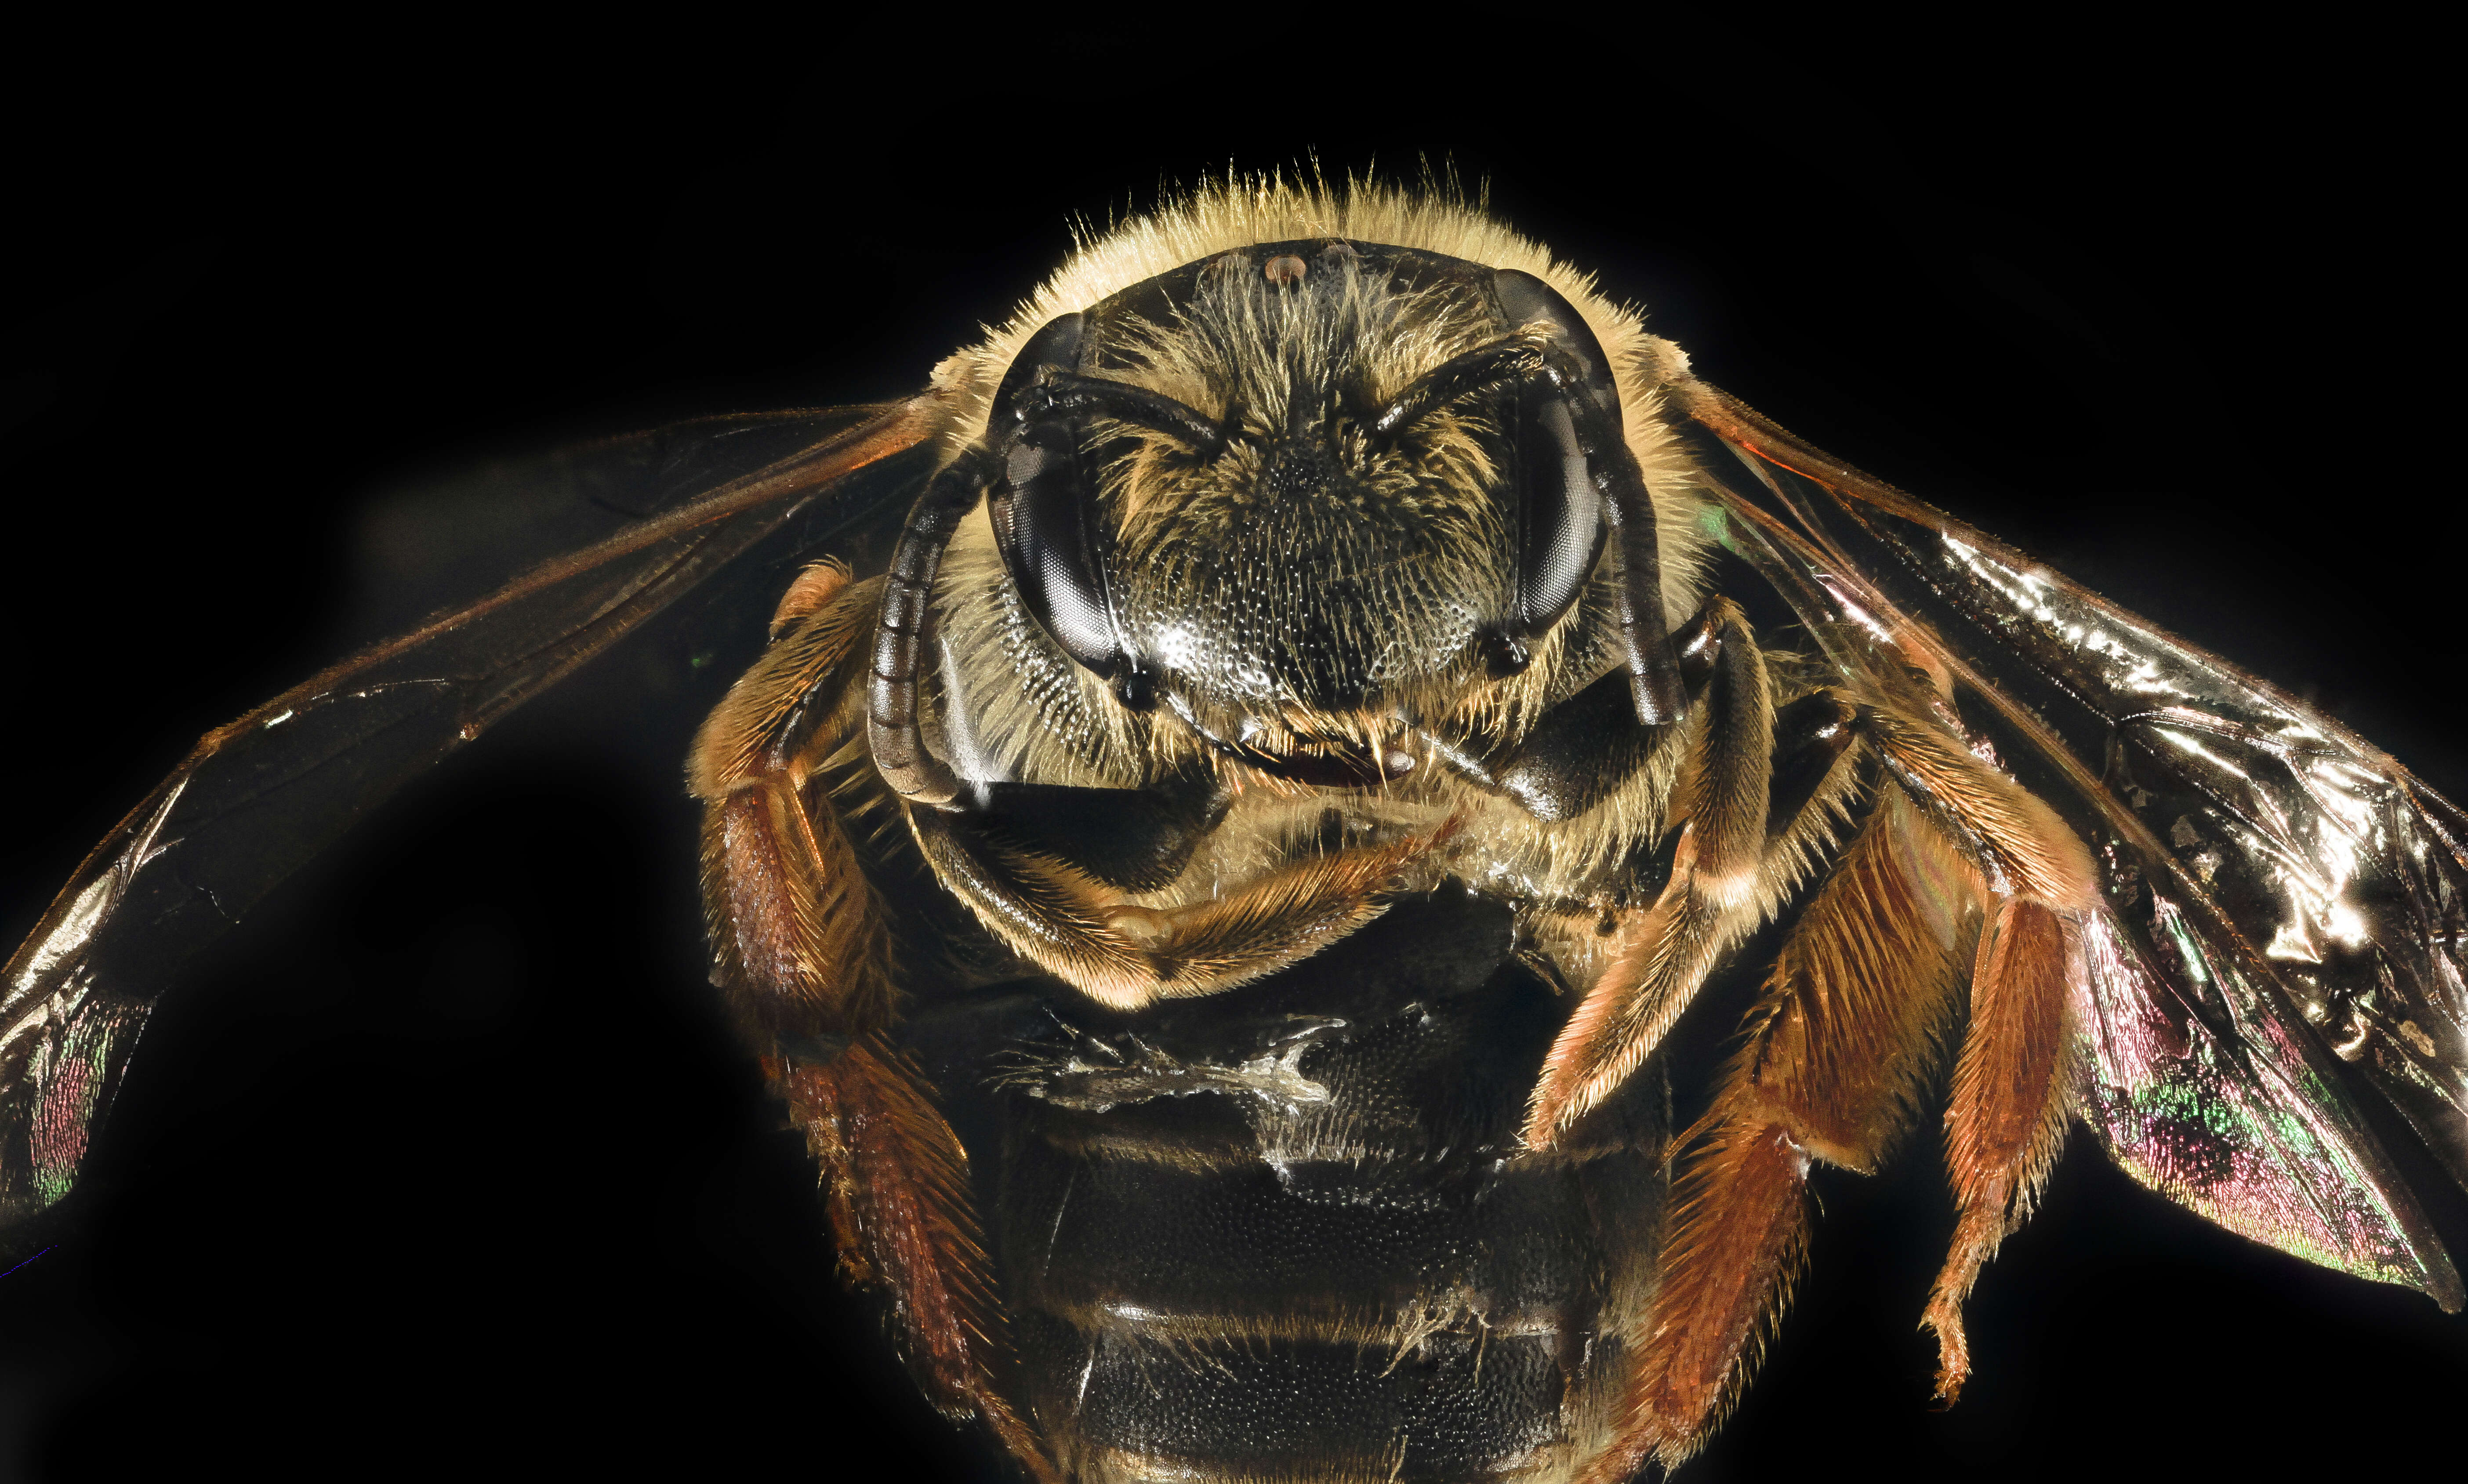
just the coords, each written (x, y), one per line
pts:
(1043, 518)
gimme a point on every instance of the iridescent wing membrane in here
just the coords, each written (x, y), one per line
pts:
(2284, 901)
(256, 799)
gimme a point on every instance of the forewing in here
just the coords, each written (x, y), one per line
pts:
(2283, 898)
(435, 545)
(256, 799)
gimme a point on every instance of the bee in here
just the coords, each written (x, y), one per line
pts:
(1220, 867)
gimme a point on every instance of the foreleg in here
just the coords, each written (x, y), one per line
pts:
(1711, 899)
(799, 947)
(1093, 937)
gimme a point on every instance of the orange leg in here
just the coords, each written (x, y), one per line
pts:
(2007, 1120)
(798, 945)
(1742, 1228)
(898, 1192)
(2006, 1123)
(801, 950)
(1838, 1049)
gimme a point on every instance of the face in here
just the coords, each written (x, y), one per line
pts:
(1313, 577)
(1312, 569)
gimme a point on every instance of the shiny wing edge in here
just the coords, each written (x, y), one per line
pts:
(2285, 902)
(258, 798)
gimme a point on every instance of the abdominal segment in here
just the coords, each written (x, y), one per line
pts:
(1288, 1232)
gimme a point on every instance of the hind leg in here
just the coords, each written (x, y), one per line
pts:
(2007, 1120)
(1838, 1048)
(801, 950)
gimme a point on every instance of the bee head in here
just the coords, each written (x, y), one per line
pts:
(1292, 491)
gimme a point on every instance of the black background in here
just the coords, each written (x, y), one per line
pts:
(443, 1159)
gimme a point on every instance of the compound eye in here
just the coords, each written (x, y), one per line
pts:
(1043, 517)
(1560, 518)
(1559, 512)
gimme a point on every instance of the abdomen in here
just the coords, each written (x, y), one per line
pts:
(1286, 1233)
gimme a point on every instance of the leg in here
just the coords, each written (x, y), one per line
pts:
(1093, 938)
(898, 1188)
(1711, 900)
(1739, 851)
(1836, 1051)
(1839, 1047)
(800, 948)
(2006, 1120)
